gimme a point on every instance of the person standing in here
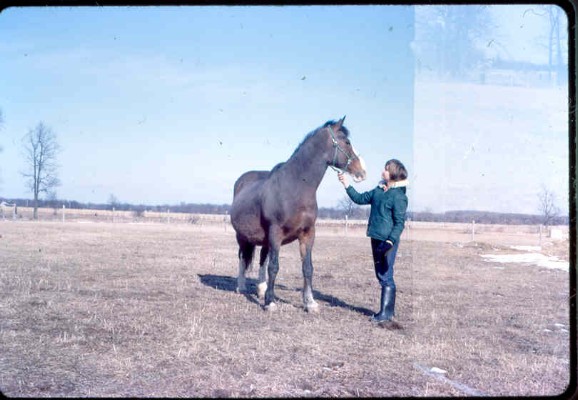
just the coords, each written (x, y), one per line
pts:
(388, 202)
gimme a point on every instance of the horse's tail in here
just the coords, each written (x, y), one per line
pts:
(246, 254)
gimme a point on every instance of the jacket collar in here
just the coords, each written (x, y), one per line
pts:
(392, 185)
(403, 183)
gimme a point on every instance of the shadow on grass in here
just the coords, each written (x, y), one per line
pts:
(229, 284)
(225, 283)
(335, 302)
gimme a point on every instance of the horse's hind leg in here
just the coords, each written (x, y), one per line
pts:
(246, 251)
(274, 244)
(262, 285)
(305, 247)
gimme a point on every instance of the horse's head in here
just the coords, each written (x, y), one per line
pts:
(344, 156)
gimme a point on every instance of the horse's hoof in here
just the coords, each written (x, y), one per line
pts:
(271, 307)
(312, 308)
(241, 290)
(261, 289)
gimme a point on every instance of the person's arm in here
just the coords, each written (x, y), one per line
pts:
(399, 210)
(354, 195)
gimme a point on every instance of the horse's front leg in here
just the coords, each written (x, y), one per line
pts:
(305, 247)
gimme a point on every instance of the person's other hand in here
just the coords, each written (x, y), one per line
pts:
(387, 246)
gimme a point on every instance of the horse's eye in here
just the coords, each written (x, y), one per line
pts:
(347, 142)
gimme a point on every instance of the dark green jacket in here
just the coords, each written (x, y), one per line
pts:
(387, 215)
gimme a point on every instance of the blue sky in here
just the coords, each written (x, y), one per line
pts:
(163, 105)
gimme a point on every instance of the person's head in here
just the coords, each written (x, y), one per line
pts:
(394, 171)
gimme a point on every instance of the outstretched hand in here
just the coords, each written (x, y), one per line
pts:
(343, 179)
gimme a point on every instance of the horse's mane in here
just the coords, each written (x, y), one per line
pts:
(276, 167)
(325, 125)
(332, 122)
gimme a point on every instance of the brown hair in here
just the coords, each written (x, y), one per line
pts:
(397, 171)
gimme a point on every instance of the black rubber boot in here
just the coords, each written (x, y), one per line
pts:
(387, 305)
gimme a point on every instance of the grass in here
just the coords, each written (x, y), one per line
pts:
(150, 310)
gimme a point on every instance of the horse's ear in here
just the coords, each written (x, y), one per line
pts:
(339, 124)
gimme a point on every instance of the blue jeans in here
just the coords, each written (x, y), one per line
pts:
(383, 262)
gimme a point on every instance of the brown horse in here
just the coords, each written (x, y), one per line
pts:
(273, 208)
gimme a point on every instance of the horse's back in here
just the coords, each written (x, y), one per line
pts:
(248, 177)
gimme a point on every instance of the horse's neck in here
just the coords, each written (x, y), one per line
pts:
(308, 165)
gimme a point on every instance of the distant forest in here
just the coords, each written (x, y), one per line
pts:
(480, 217)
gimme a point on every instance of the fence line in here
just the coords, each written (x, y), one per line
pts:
(344, 226)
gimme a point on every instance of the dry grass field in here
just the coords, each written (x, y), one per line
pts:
(150, 309)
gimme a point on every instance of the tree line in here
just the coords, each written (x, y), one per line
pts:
(185, 208)
(480, 217)
(360, 213)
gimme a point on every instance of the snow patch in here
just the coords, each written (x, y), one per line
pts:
(540, 260)
(526, 248)
(437, 370)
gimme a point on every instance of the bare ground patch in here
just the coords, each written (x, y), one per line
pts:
(151, 310)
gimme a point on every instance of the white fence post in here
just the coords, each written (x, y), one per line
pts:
(63, 212)
(346, 224)
(473, 230)
(168, 217)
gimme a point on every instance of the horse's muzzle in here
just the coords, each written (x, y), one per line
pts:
(358, 177)
(357, 170)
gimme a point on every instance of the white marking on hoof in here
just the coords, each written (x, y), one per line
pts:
(271, 307)
(312, 307)
(261, 289)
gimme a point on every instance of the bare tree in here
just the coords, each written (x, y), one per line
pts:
(350, 209)
(113, 201)
(41, 150)
(547, 206)
(557, 32)
(346, 205)
(450, 37)
(52, 200)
